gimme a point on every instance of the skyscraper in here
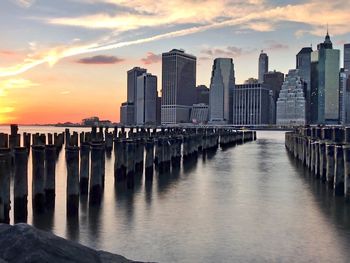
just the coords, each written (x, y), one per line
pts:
(221, 87)
(263, 66)
(291, 102)
(347, 57)
(303, 64)
(202, 94)
(178, 86)
(146, 101)
(325, 83)
(252, 104)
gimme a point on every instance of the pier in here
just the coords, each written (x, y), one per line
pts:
(138, 152)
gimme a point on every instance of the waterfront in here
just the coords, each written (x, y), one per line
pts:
(250, 203)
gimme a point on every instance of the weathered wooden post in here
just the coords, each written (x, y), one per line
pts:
(96, 173)
(5, 172)
(330, 164)
(84, 168)
(50, 174)
(130, 168)
(20, 185)
(149, 159)
(323, 161)
(49, 138)
(72, 160)
(118, 161)
(338, 170)
(346, 150)
(38, 180)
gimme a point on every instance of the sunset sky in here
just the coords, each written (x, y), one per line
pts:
(64, 60)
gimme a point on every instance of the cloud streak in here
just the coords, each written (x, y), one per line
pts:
(151, 58)
(255, 17)
(100, 59)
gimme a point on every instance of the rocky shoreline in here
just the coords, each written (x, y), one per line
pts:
(22, 243)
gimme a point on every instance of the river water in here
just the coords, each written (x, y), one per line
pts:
(250, 203)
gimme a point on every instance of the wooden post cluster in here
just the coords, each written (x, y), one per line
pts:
(325, 152)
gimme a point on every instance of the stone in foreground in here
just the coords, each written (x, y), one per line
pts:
(23, 243)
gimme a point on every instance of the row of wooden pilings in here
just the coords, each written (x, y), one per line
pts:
(140, 150)
(325, 151)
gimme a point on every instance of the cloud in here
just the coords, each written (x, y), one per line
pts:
(151, 58)
(25, 3)
(274, 45)
(194, 17)
(11, 84)
(229, 51)
(100, 59)
(65, 92)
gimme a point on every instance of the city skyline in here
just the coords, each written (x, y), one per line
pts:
(59, 63)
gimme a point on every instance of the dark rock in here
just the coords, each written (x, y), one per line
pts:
(23, 243)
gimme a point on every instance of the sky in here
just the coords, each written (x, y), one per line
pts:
(65, 60)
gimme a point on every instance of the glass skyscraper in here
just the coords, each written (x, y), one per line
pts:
(178, 86)
(263, 66)
(325, 83)
(221, 87)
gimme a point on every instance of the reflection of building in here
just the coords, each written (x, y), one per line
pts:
(221, 88)
(303, 64)
(200, 113)
(146, 100)
(325, 83)
(263, 66)
(202, 94)
(252, 104)
(127, 113)
(178, 86)
(291, 102)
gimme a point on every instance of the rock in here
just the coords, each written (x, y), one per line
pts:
(22, 243)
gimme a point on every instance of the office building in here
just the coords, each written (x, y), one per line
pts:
(146, 100)
(200, 113)
(344, 96)
(221, 87)
(263, 66)
(132, 86)
(325, 83)
(303, 64)
(347, 58)
(127, 113)
(290, 108)
(252, 104)
(202, 94)
(178, 86)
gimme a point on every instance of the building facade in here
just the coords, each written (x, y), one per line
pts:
(221, 87)
(200, 113)
(303, 64)
(263, 66)
(178, 86)
(127, 113)
(252, 104)
(202, 94)
(146, 100)
(347, 58)
(325, 83)
(291, 104)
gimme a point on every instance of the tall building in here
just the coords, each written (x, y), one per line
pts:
(291, 103)
(252, 104)
(127, 113)
(132, 83)
(347, 57)
(344, 96)
(263, 66)
(202, 94)
(178, 86)
(221, 87)
(146, 100)
(303, 64)
(325, 83)
(274, 80)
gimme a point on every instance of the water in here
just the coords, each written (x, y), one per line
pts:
(250, 203)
